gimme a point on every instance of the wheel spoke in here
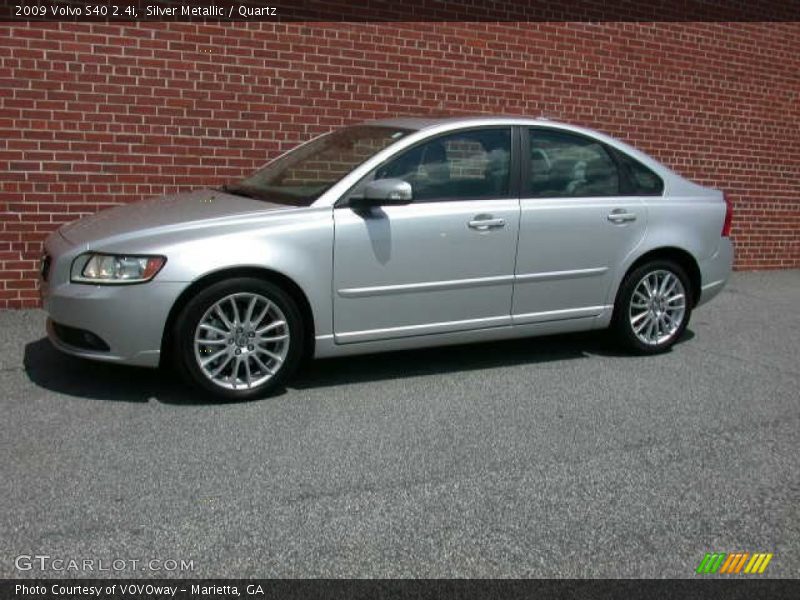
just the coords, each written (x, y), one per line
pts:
(236, 318)
(261, 364)
(257, 320)
(651, 329)
(666, 326)
(214, 357)
(272, 355)
(235, 373)
(640, 316)
(251, 305)
(270, 340)
(207, 342)
(270, 327)
(247, 370)
(638, 328)
(213, 329)
(646, 286)
(667, 280)
(222, 316)
(654, 285)
(221, 366)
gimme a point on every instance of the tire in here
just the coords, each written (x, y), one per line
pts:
(253, 357)
(650, 323)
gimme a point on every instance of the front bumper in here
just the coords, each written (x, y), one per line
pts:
(716, 271)
(130, 319)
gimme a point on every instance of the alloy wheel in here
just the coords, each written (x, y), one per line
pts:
(241, 341)
(657, 307)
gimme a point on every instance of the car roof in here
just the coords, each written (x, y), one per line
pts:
(436, 124)
(427, 122)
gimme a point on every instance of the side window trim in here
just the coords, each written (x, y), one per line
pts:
(515, 165)
(515, 186)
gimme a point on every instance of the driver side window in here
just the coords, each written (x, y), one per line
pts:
(464, 165)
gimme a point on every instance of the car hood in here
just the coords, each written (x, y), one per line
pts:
(163, 212)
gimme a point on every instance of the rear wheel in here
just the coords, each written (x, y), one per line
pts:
(653, 307)
(239, 338)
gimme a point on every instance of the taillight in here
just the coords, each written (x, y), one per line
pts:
(726, 226)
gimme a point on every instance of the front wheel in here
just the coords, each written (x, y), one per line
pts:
(239, 339)
(653, 307)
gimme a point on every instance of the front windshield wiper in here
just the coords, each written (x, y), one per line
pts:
(239, 191)
(269, 195)
(263, 195)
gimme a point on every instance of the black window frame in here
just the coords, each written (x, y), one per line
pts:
(627, 183)
(514, 183)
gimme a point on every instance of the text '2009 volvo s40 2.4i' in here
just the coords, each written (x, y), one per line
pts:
(389, 235)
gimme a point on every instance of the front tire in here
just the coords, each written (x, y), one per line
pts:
(239, 339)
(653, 307)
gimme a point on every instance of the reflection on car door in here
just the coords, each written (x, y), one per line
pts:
(576, 226)
(443, 263)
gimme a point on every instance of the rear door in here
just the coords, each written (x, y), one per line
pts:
(578, 223)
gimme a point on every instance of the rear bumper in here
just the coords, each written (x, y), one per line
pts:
(715, 272)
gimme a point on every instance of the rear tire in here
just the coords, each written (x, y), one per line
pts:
(239, 339)
(653, 307)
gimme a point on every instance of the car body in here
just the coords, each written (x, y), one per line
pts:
(479, 228)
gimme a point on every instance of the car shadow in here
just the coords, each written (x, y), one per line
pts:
(52, 370)
(461, 358)
(55, 371)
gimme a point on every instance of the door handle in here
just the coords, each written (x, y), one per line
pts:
(620, 215)
(486, 224)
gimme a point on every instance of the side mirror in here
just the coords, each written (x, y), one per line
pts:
(384, 192)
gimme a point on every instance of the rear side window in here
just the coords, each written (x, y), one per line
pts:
(641, 181)
(564, 165)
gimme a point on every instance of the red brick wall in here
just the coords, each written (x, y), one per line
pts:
(96, 114)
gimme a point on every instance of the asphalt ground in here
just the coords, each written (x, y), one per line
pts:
(549, 457)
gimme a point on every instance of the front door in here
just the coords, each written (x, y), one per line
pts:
(443, 263)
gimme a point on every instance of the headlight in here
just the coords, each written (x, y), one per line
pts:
(115, 268)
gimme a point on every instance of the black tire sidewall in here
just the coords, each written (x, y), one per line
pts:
(621, 323)
(194, 310)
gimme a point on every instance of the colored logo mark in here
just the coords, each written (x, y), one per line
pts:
(737, 562)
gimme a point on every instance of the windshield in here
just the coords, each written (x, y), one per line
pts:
(305, 173)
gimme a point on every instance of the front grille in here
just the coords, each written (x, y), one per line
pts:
(45, 267)
(79, 338)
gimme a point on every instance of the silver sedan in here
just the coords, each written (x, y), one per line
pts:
(389, 235)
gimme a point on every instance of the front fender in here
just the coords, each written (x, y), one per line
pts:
(296, 244)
